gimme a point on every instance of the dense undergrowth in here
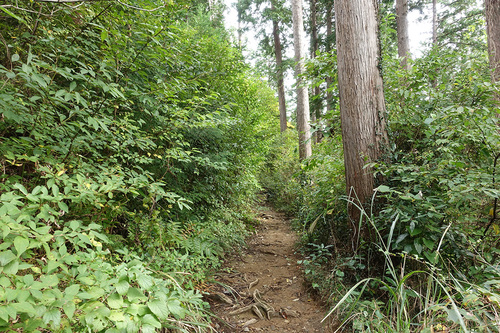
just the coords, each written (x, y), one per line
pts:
(130, 141)
(429, 257)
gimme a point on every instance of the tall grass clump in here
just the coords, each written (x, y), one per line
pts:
(415, 295)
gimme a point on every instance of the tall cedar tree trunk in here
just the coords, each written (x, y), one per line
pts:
(492, 11)
(329, 32)
(302, 92)
(434, 23)
(316, 107)
(434, 35)
(239, 27)
(279, 72)
(362, 104)
(402, 31)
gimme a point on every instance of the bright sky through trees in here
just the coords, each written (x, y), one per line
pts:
(419, 31)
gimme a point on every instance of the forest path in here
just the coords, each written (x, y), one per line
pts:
(266, 276)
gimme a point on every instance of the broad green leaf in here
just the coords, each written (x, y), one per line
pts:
(23, 295)
(159, 308)
(115, 301)
(25, 307)
(104, 35)
(69, 309)
(63, 206)
(428, 243)
(87, 280)
(71, 291)
(92, 293)
(28, 280)
(55, 190)
(84, 238)
(74, 224)
(53, 316)
(151, 320)
(51, 266)
(148, 328)
(4, 314)
(145, 281)
(418, 247)
(133, 263)
(21, 244)
(32, 325)
(132, 309)
(11, 268)
(4, 281)
(96, 292)
(6, 257)
(176, 309)
(134, 294)
(102, 309)
(122, 287)
(383, 188)
(25, 265)
(49, 281)
(117, 315)
(431, 256)
(21, 188)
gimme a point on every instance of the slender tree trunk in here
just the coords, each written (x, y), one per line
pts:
(316, 104)
(314, 134)
(279, 72)
(362, 104)
(434, 36)
(492, 11)
(329, 33)
(302, 92)
(434, 23)
(402, 31)
(239, 28)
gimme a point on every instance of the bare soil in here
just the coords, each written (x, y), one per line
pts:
(262, 289)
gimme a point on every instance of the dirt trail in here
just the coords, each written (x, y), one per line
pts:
(265, 280)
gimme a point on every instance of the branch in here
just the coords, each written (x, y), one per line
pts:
(22, 9)
(121, 3)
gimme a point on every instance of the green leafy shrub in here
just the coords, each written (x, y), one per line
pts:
(443, 161)
(278, 175)
(59, 275)
(121, 163)
(424, 299)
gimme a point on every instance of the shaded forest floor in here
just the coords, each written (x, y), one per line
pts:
(262, 288)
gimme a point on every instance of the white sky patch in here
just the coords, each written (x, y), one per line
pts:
(420, 32)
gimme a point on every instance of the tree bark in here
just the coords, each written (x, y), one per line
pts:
(239, 27)
(279, 72)
(402, 32)
(329, 33)
(434, 23)
(316, 101)
(302, 92)
(434, 35)
(362, 104)
(492, 13)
